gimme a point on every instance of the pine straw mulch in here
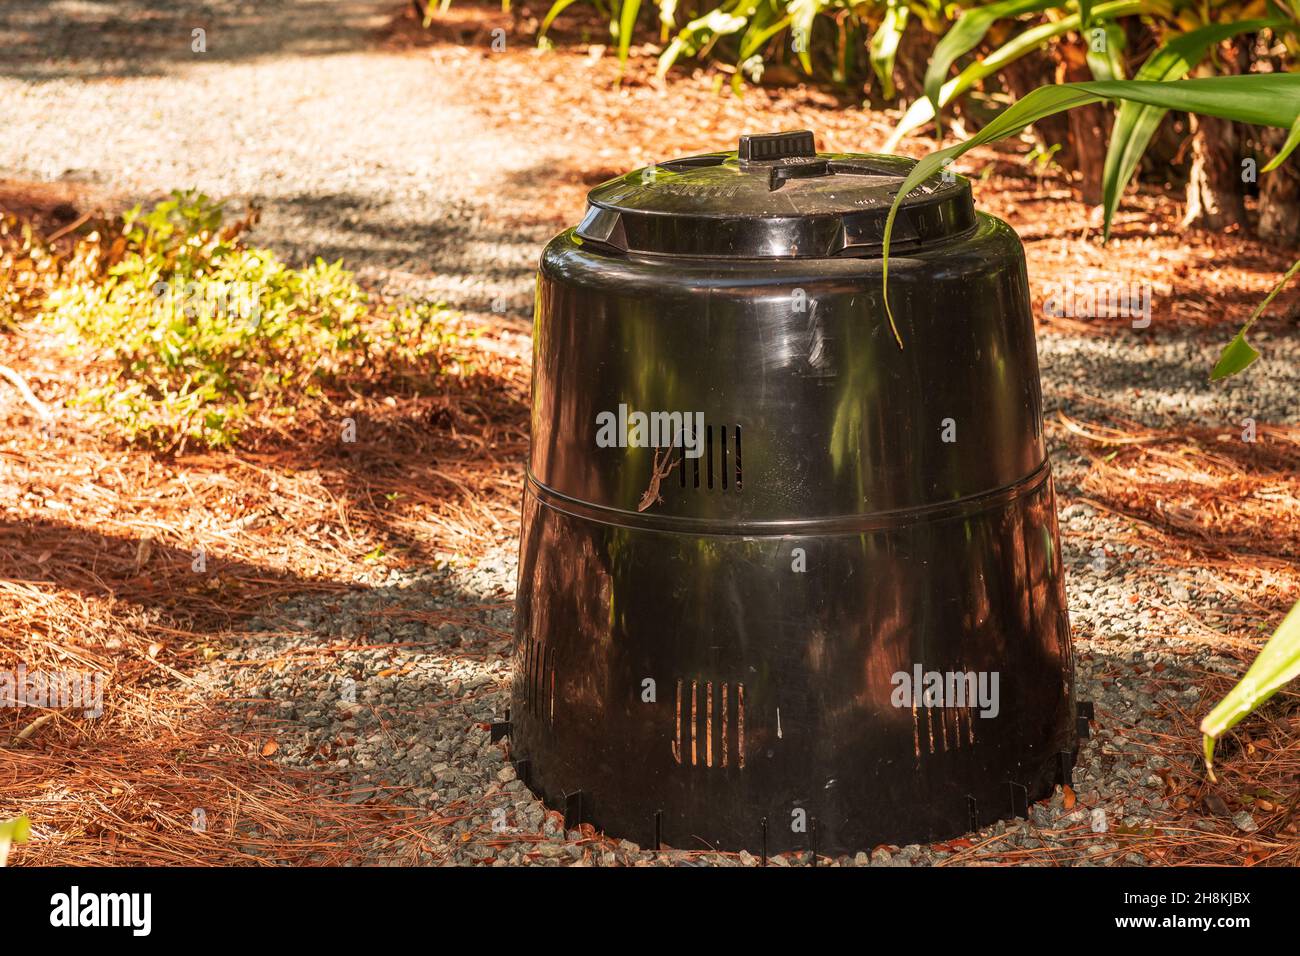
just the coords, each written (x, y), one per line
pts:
(99, 546)
(1208, 500)
(1210, 506)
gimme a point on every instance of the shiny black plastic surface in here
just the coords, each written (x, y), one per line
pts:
(711, 648)
(718, 205)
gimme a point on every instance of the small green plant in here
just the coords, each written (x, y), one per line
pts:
(200, 328)
(11, 832)
(1041, 160)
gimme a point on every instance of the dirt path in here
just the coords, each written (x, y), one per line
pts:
(351, 148)
(414, 157)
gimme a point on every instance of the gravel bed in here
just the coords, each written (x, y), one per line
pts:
(1160, 377)
(406, 716)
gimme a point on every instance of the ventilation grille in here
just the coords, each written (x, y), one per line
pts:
(709, 726)
(719, 468)
(539, 677)
(940, 729)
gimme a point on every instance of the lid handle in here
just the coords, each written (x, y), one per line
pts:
(770, 147)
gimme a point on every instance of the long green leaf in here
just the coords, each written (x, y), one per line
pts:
(1292, 140)
(1107, 64)
(1261, 99)
(558, 7)
(922, 111)
(883, 47)
(755, 38)
(698, 32)
(802, 14)
(1278, 663)
(765, 24)
(966, 34)
(1136, 123)
(626, 24)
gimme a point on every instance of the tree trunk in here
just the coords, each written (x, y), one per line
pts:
(1214, 195)
(1279, 194)
(1089, 127)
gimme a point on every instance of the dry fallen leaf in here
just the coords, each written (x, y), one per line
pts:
(143, 551)
(1214, 803)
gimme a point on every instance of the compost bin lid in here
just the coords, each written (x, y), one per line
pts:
(775, 197)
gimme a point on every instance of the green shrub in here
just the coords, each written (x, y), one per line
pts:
(200, 329)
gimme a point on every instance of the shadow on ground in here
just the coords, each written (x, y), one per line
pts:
(105, 39)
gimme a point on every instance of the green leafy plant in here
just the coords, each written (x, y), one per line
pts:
(1185, 38)
(883, 45)
(1270, 99)
(970, 30)
(1136, 123)
(199, 327)
(746, 32)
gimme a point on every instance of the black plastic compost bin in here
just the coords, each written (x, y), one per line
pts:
(784, 584)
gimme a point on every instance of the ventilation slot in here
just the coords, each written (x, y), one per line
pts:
(738, 467)
(718, 468)
(539, 674)
(709, 724)
(708, 452)
(940, 729)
